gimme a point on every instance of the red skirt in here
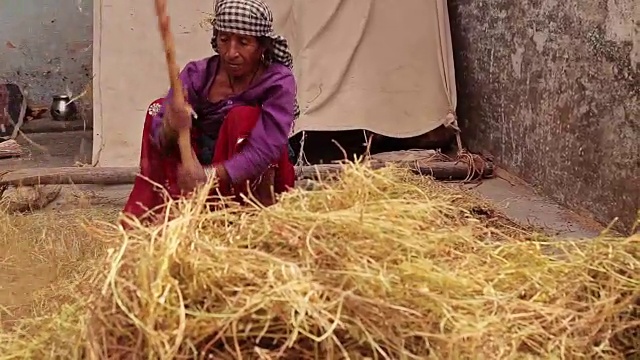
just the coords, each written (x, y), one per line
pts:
(158, 169)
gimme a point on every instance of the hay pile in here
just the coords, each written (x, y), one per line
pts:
(380, 264)
(41, 249)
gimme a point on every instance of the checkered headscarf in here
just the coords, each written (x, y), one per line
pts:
(253, 18)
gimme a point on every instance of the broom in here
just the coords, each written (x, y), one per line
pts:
(187, 156)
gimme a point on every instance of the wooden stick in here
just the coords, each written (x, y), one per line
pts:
(127, 175)
(70, 175)
(440, 170)
(178, 98)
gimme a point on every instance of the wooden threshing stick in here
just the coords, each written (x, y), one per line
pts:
(187, 156)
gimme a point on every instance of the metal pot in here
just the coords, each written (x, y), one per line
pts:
(62, 109)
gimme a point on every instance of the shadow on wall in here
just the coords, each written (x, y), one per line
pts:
(46, 47)
(552, 89)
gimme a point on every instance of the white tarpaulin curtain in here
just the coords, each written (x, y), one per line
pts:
(379, 65)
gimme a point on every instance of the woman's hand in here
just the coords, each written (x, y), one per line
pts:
(179, 115)
(190, 178)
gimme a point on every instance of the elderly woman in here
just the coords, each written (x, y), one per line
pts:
(244, 105)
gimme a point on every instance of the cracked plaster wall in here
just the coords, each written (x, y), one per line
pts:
(46, 47)
(552, 89)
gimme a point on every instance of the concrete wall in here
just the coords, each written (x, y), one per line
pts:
(552, 89)
(45, 46)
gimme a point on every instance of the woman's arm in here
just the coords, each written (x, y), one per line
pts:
(270, 135)
(191, 77)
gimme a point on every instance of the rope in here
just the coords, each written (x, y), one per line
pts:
(477, 165)
(302, 158)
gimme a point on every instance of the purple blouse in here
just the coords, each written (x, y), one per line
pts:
(274, 91)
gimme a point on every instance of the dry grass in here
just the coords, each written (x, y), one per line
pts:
(378, 265)
(42, 250)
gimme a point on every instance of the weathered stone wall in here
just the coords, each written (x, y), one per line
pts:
(46, 47)
(552, 89)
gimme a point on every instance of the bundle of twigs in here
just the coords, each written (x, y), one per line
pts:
(10, 148)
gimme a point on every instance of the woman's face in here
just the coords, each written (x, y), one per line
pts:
(240, 54)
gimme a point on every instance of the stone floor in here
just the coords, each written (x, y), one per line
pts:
(521, 203)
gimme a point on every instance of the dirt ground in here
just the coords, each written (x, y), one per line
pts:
(39, 249)
(33, 257)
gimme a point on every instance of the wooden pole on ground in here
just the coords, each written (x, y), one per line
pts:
(448, 170)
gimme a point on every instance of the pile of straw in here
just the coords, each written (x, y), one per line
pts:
(41, 249)
(379, 264)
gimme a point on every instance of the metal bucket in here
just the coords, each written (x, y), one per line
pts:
(62, 109)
